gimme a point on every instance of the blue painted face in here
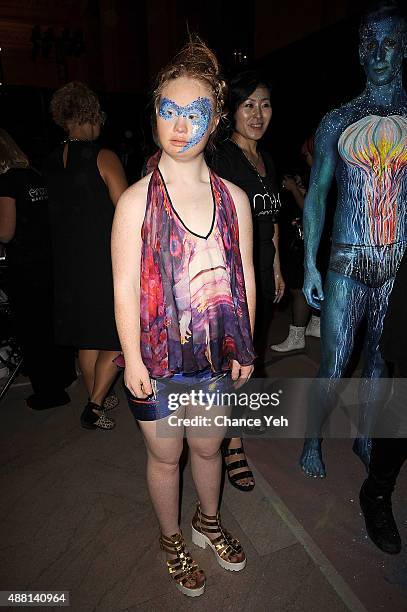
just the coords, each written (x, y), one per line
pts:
(199, 112)
(381, 50)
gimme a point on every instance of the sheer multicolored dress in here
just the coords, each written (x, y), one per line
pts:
(193, 309)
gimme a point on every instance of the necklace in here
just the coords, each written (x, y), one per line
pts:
(253, 165)
(276, 204)
(76, 140)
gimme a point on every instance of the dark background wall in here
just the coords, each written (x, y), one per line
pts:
(307, 49)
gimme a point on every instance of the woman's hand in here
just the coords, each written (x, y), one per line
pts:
(279, 284)
(241, 374)
(300, 185)
(137, 380)
(290, 183)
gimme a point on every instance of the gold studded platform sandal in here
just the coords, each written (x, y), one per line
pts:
(225, 547)
(188, 576)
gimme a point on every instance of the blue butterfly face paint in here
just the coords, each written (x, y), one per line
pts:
(199, 112)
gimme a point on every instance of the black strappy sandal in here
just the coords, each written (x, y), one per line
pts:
(240, 463)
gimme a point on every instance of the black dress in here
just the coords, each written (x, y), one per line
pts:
(81, 215)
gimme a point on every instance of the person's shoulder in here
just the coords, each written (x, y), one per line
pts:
(15, 182)
(226, 148)
(331, 127)
(7, 179)
(7, 175)
(17, 176)
(267, 157)
(108, 159)
(235, 191)
(225, 145)
(337, 119)
(237, 194)
(333, 119)
(135, 196)
(224, 152)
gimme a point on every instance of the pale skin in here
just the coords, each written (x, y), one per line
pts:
(187, 178)
(97, 366)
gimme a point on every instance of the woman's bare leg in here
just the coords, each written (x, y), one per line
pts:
(237, 443)
(87, 361)
(105, 371)
(163, 454)
(206, 466)
(163, 475)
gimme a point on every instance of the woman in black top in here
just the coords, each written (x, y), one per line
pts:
(242, 161)
(24, 227)
(85, 182)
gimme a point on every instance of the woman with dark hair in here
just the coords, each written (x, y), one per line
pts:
(242, 160)
(185, 300)
(85, 182)
(24, 228)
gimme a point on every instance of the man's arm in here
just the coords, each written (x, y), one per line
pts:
(323, 170)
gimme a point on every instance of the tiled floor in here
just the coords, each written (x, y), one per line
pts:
(75, 515)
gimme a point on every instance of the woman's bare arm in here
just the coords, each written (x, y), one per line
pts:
(112, 172)
(7, 219)
(244, 217)
(278, 277)
(126, 256)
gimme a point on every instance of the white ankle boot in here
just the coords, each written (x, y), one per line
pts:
(295, 340)
(314, 327)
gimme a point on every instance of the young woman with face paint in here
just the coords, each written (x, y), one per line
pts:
(185, 302)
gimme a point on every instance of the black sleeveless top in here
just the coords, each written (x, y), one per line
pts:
(81, 215)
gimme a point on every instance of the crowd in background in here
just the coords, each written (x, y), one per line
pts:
(56, 222)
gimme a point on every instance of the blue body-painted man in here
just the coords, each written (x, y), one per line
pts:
(364, 144)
